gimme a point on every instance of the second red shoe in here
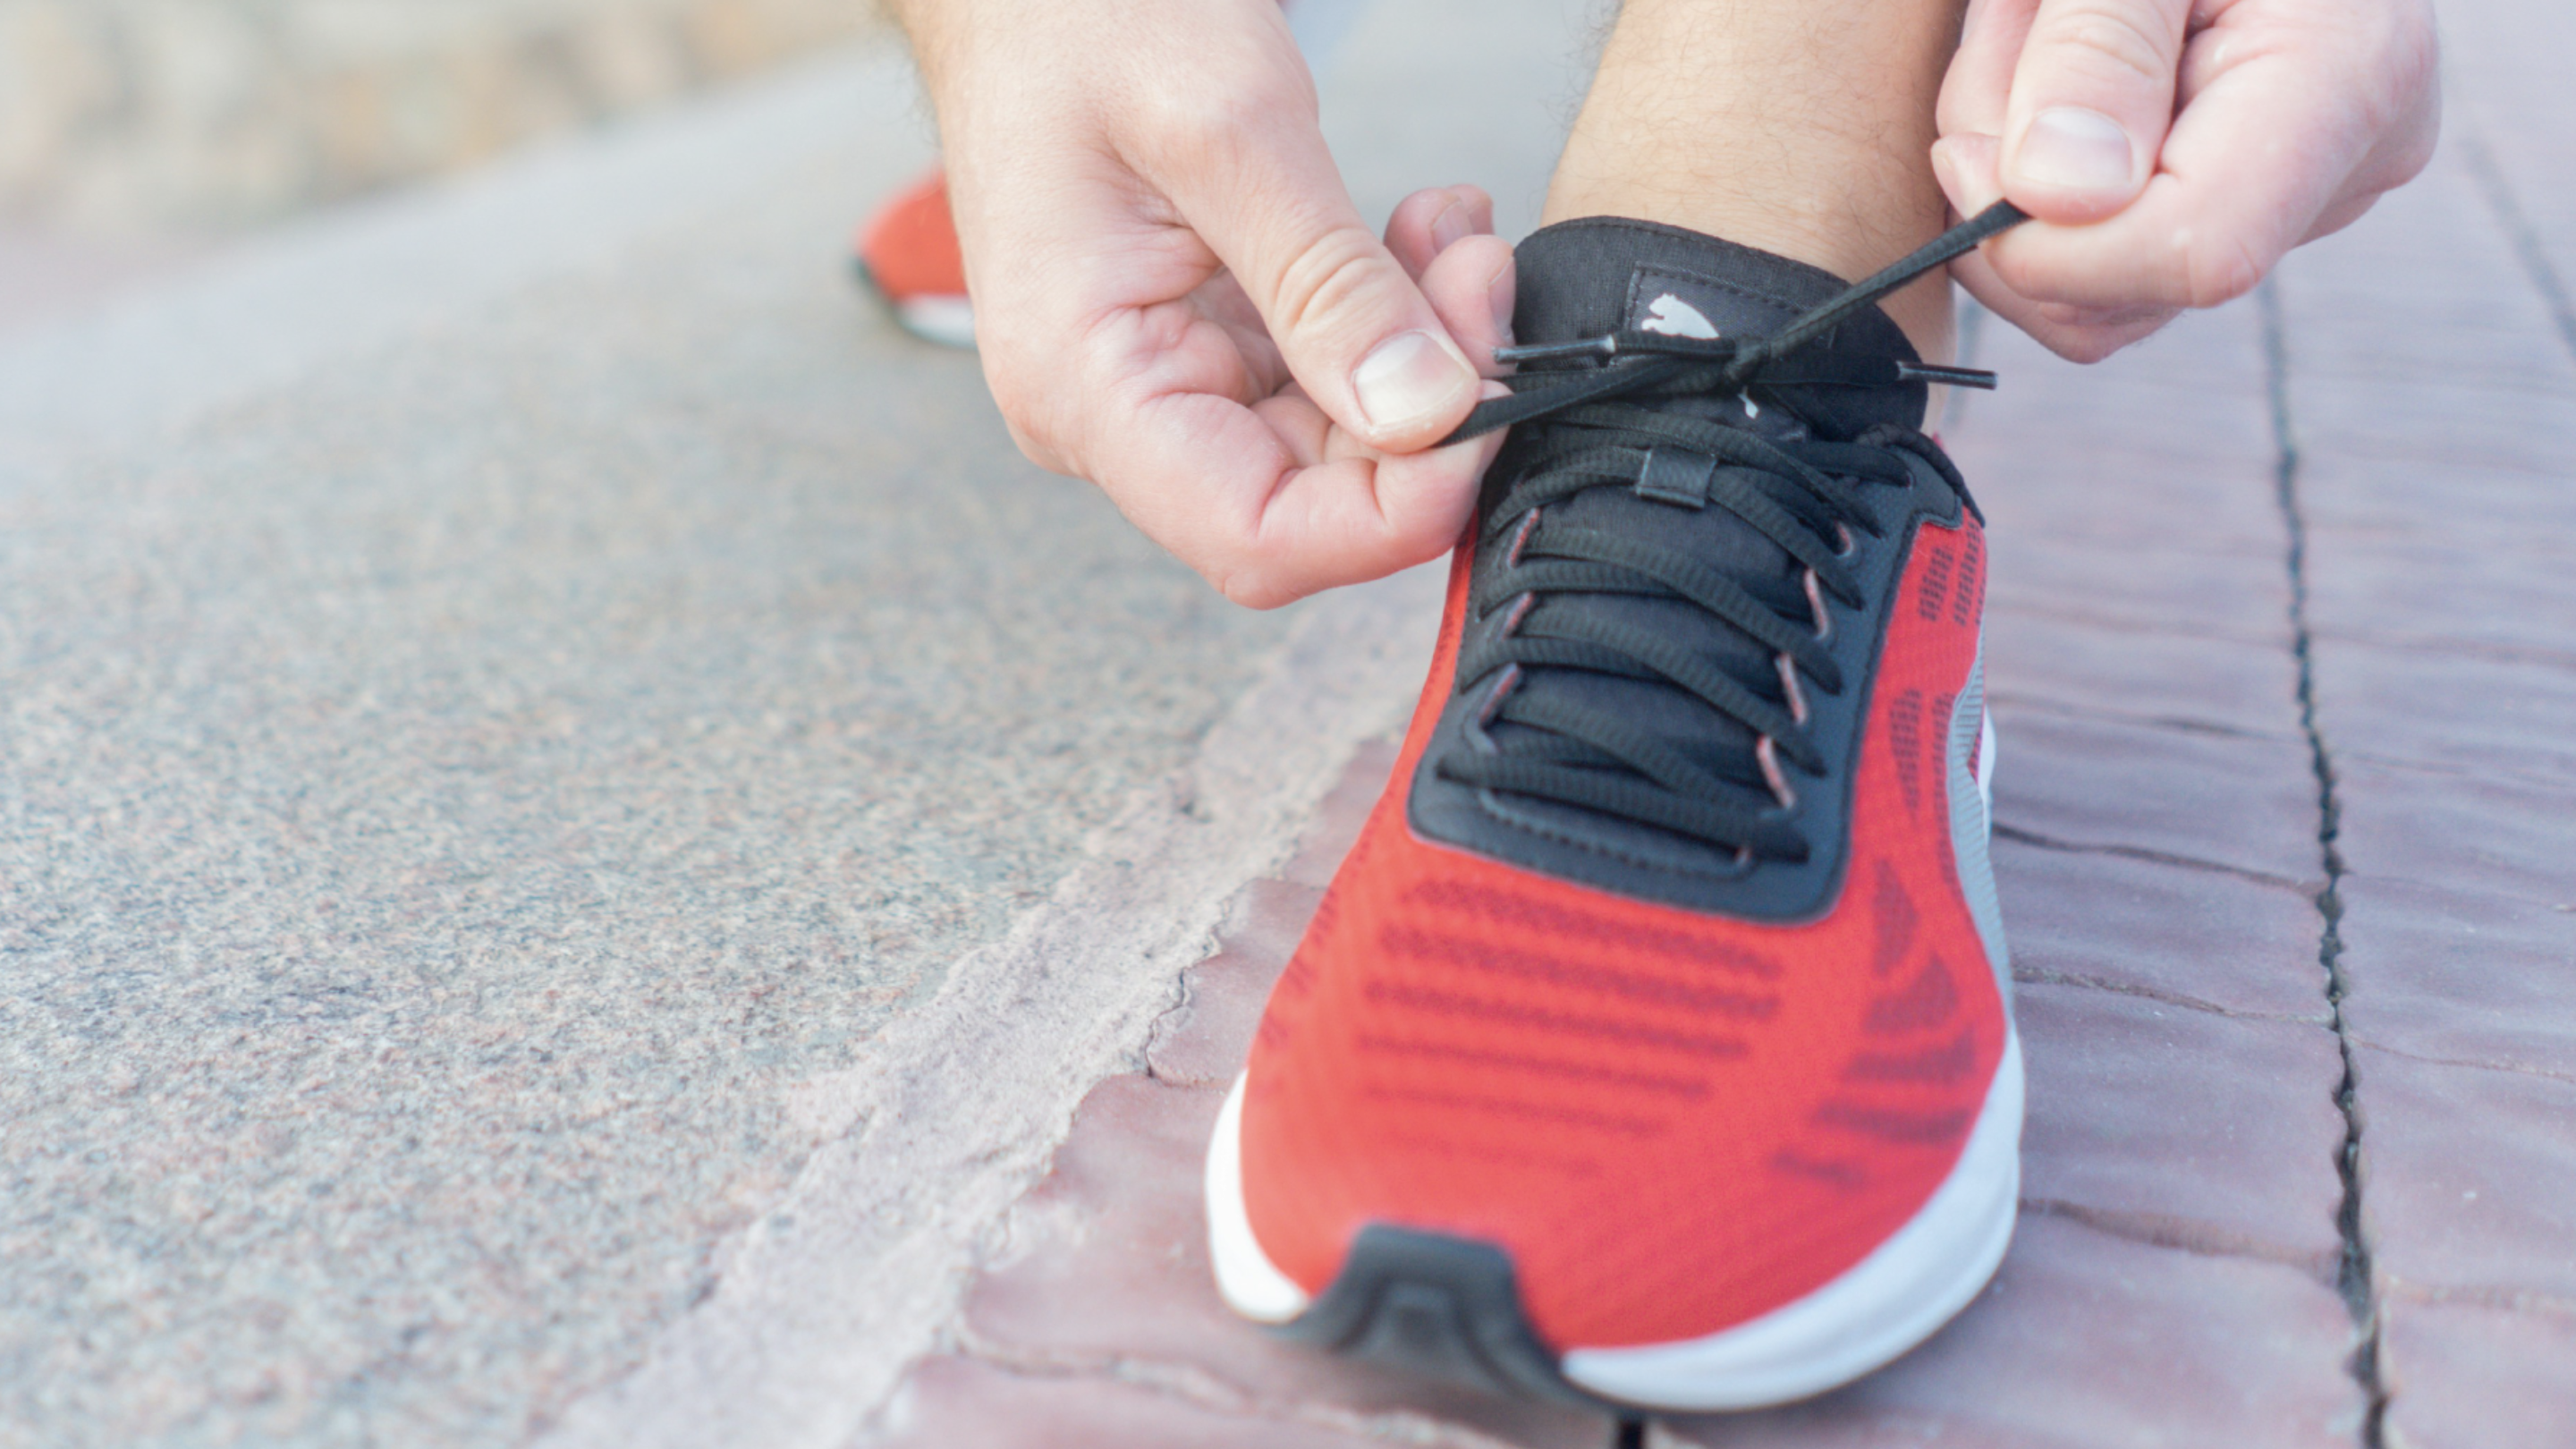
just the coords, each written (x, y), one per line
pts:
(907, 255)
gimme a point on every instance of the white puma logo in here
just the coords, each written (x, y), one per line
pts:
(1674, 317)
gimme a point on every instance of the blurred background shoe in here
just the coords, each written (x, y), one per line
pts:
(907, 252)
(907, 255)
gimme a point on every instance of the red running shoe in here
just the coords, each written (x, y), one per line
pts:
(907, 254)
(1652, 1047)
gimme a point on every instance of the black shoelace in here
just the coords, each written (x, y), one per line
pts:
(1799, 494)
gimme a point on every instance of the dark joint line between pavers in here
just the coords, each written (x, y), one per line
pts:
(2518, 230)
(2355, 1276)
(2493, 1297)
(2483, 768)
(2189, 1235)
(2056, 612)
(2021, 836)
(2028, 975)
(1210, 1393)
(2520, 1069)
(2448, 645)
(2060, 708)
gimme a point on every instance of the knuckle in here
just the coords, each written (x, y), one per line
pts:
(1218, 118)
(2083, 345)
(1013, 395)
(2219, 269)
(1251, 587)
(1320, 280)
(2131, 41)
(1027, 406)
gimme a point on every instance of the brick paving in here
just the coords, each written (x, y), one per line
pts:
(2284, 658)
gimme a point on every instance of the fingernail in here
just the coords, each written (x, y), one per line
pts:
(1406, 377)
(2074, 148)
(1451, 226)
(1501, 295)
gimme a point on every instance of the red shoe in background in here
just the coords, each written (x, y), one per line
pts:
(1652, 1048)
(907, 255)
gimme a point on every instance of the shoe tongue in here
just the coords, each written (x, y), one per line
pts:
(1603, 274)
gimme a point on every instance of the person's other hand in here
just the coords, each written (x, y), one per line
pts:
(2170, 152)
(1176, 299)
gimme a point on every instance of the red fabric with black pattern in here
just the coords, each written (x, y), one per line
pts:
(1673, 1121)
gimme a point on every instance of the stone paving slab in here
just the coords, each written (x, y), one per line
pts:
(2469, 976)
(2224, 938)
(2472, 1182)
(2233, 802)
(2466, 1375)
(2151, 1114)
(2159, 678)
(2430, 388)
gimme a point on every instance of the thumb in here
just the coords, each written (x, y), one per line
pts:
(1349, 321)
(2092, 97)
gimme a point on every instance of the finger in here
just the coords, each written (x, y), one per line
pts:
(2223, 208)
(1976, 90)
(1351, 512)
(1279, 504)
(1472, 286)
(2078, 334)
(2092, 96)
(1428, 223)
(1360, 337)
(1966, 166)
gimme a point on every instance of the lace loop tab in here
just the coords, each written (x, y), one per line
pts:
(1678, 476)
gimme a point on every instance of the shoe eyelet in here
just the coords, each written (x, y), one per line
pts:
(1766, 752)
(1790, 687)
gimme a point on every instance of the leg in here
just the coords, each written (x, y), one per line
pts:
(1801, 127)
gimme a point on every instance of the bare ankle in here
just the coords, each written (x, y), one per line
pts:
(1801, 127)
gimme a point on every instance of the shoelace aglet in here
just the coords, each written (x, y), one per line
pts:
(1975, 377)
(1605, 347)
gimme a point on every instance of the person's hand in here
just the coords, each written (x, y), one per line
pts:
(1176, 299)
(2170, 152)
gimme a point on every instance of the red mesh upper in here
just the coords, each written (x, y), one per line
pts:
(1672, 1121)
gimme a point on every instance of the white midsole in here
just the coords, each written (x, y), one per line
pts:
(1252, 1285)
(948, 321)
(1874, 1311)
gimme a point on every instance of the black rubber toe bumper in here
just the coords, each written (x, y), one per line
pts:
(1446, 1307)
